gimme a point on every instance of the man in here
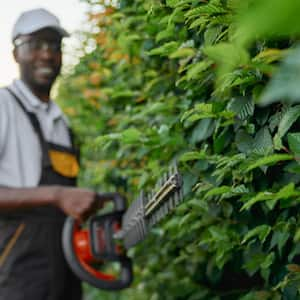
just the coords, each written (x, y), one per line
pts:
(38, 168)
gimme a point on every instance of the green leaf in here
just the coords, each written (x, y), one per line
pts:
(203, 130)
(200, 111)
(284, 85)
(289, 117)
(165, 50)
(280, 238)
(212, 34)
(192, 156)
(268, 261)
(269, 55)
(196, 69)
(183, 52)
(259, 261)
(268, 160)
(262, 196)
(218, 191)
(202, 21)
(287, 191)
(270, 198)
(228, 54)
(173, 3)
(243, 107)
(268, 18)
(131, 135)
(165, 34)
(222, 140)
(263, 143)
(261, 231)
(122, 94)
(210, 8)
(294, 142)
(244, 141)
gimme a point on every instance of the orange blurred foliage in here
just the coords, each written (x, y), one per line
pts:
(107, 163)
(70, 111)
(113, 122)
(118, 56)
(95, 78)
(92, 93)
(95, 65)
(101, 38)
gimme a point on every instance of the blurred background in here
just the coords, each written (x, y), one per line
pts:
(70, 12)
(214, 85)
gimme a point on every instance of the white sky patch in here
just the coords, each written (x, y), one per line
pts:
(71, 14)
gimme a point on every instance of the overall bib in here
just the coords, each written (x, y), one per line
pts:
(32, 264)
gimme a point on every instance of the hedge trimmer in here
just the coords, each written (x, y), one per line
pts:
(106, 237)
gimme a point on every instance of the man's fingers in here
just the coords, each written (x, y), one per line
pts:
(98, 201)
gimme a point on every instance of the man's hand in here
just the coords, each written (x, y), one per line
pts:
(76, 202)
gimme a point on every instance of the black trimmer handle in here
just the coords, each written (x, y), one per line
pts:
(118, 200)
(79, 247)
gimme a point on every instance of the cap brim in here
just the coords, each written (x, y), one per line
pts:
(58, 29)
(62, 32)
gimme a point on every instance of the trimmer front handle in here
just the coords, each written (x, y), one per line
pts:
(87, 248)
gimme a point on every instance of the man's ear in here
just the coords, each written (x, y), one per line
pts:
(15, 54)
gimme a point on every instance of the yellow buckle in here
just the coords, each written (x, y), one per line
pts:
(64, 163)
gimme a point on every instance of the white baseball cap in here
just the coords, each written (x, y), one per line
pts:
(34, 20)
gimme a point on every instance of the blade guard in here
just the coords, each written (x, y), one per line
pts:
(96, 245)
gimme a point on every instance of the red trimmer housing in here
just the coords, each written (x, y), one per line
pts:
(89, 247)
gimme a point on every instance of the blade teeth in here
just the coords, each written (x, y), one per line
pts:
(171, 202)
(133, 222)
(176, 198)
(157, 186)
(181, 194)
(137, 225)
(175, 168)
(151, 221)
(157, 215)
(161, 212)
(166, 208)
(145, 199)
(170, 170)
(160, 182)
(151, 195)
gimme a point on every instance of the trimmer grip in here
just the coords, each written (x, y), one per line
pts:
(96, 245)
(116, 198)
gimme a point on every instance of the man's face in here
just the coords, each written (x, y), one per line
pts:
(39, 58)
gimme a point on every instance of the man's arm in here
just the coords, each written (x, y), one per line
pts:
(75, 202)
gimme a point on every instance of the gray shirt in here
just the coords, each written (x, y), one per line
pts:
(20, 151)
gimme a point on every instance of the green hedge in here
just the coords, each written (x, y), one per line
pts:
(213, 84)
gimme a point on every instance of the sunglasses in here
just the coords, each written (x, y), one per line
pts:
(39, 44)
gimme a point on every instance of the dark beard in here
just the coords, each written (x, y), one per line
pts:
(40, 90)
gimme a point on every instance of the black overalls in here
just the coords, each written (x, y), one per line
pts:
(32, 265)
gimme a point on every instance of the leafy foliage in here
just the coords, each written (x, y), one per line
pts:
(212, 84)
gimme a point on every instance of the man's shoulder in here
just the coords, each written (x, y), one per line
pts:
(5, 98)
(6, 113)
